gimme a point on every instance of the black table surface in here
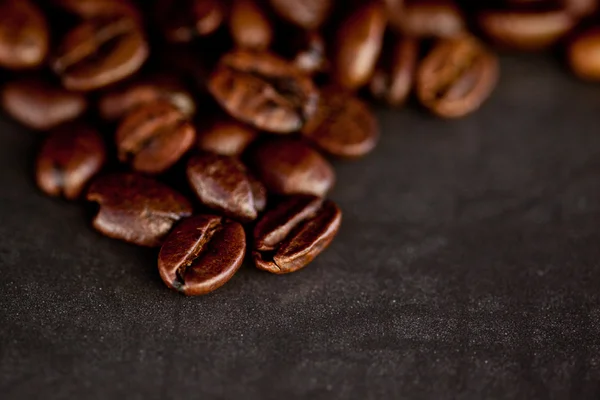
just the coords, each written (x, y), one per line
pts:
(467, 267)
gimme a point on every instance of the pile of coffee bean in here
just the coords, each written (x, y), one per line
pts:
(204, 127)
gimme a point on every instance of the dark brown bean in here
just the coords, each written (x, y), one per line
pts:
(395, 74)
(249, 26)
(40, 105)
(184, 20)
(264, 90)
(70, 156)
(311, 54)
(290, 166)
(136, 209)
(581, 8)
(456, 77)
(153, 137)
(100, 52)
(99, 8)
(583, 54)
(343, 125)
(358, 43)
(290, 236)
(307, 14)
(226, 137)
(119, 102)
(222, 183)
(432, 18)
(23, 35)
(202, 254)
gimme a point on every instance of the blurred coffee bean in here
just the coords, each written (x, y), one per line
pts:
(249, 26)
(39, 104)
(432, 18)
(456, 77)
(201, 254)
(263, 90)
(70, 156)
(184, 20)
(23, 35)
(135, 208)
(290, 166)
(99, 8)
(223, 183)
(343, 125)
(291, 235)
(358, 42)
(395, 73)
(307, 14)
(154, 137)
(311, 56)
(581, 8)
(100, 52)
(583, 54)
(226, 137)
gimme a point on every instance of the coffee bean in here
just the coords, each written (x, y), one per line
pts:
(525, 29)
(581, 8)
(343, 125)
(70, 156)
(358, 43)
(184, 20)
(119, 102)
(249, 26)
(290, 166)
(307, 14)
(100, 52)
(311, 55)
(395, 74)
(23, 35)
(39, 104)
(202, 254)
(99, 8)
(583, 54)
(135, 208)
(291, 235)
(432, 18)
(153, 137)
(222, 183)
(226, 137)
(263, 90)
(456, 77)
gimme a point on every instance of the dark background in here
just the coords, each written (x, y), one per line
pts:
(467, 267)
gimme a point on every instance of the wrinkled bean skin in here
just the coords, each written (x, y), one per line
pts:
(70, 156)
(249, 26)
(201, 254)
(307, 14)
(135, 208)
(583, 54)
(291, 235)
(226, 137)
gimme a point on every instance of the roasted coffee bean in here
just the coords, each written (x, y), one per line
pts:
(581, 8)
(223, 183)
(290, 166)
(249, 26)
(456, 77)
(343, 125)
(23, 35)
(264, 90)
(153, 137)
(99, 8)
(583, 54)
(40, 105)
(202, 254)
(307, 14)
(358, 44)
(432, 18)
(70, 156)
(311, 56)
(184, 20)
(100, 52)
(526, 29)
(395, 13)
(291, 235)
(395, 74)
(226, 137)
(136, 209)
(119, 102)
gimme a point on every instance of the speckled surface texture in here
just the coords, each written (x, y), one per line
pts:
(467, 268)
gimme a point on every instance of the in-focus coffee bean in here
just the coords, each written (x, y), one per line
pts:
(223, 183)
(70, 156)
(291, 235)
(249, 26)
(583, 54)
(135, 208)
(201, 254)
(40, 104)
(184, 20)
(226, 137)
(290, 166)
(264, 90)
(100, 52)
(456, 77)
(307, 14)
(432, 18)
(154, 137)
(343, 125)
